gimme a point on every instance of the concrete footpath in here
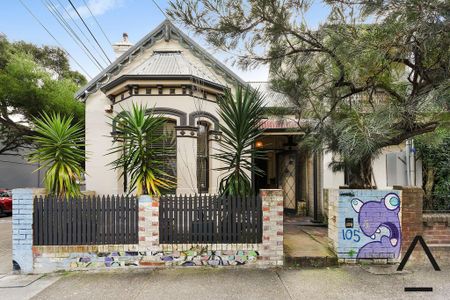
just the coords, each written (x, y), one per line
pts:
(347, 282)
(17, 287)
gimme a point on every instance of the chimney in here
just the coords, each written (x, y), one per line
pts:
(122, 46)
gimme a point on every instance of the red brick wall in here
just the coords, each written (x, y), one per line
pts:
(411, 219)
(436, 229)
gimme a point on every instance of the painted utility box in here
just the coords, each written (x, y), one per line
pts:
(365, 224)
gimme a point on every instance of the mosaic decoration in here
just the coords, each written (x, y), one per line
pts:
(369, 224)
(197, 256)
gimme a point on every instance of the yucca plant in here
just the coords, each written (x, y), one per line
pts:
(241, 114)
(59, 150)
(139, 157)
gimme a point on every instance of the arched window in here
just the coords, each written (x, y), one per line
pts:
(202, 157)
(169, 146)
(169, 159)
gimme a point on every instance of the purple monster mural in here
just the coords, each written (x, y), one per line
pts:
(379, 218)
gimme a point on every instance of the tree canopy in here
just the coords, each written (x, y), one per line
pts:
(33, 80)
(373, 74)
(434, 150)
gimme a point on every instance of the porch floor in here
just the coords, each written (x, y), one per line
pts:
(306, 244)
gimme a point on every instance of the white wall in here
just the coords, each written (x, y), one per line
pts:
(330, 179)
(99, 175)
(335, 179)
(379, 166)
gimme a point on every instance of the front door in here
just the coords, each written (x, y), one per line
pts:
(287, 179)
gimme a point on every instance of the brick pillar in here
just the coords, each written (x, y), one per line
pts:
(272, 237)
(411, 216)
(22, 230)
(148, 224)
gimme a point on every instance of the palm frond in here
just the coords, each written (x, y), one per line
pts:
(241, 114)
(138, 156)
(60, 150)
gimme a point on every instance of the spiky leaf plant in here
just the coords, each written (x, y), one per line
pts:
(241, 114)
(138, 155)
(59, 150)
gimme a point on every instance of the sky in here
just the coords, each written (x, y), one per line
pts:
(136, 17)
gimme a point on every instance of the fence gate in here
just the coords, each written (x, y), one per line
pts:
(210, 219)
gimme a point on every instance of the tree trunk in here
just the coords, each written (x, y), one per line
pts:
(361, 175)
(429, 184)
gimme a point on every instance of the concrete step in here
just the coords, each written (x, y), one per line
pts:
(311, 261)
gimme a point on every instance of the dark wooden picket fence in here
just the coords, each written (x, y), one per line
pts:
(85, 220)
(210, 219)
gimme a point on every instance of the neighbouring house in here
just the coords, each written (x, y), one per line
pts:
(170, 73)
(16, 171)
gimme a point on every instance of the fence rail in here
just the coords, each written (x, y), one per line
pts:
(210, 219)
(85, 220)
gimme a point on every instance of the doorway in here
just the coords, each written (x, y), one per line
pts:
(281, 167)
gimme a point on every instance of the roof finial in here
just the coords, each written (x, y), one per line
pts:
(167, 31)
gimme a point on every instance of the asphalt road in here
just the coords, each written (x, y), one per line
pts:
(5, 245)
(225, 283)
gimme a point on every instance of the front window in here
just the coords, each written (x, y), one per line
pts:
(203, 158)
(169, 159)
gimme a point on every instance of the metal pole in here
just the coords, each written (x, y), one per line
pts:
(315, 194)
(408, 163)
(412, 163)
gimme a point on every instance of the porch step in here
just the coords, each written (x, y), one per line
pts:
(311, 261)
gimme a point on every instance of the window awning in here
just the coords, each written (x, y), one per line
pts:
(280, 124)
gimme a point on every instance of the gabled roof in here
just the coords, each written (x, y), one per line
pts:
(166, 30)
(168, 65)
(171, 63)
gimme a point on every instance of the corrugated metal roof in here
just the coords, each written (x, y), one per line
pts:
(272, 98)
(172, 63)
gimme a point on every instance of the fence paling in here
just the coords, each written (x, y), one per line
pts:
(210, 219)
(85, 221)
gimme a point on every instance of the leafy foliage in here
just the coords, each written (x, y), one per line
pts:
(138, 155)
(241, 114)
(434, 151)
(355, 139)
(374, 57)
(60, 150)
(33, 80)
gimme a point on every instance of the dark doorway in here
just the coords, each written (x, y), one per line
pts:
(261, 181)
(288, 179)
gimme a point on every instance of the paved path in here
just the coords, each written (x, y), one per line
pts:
(226, 283)
(304, 241)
